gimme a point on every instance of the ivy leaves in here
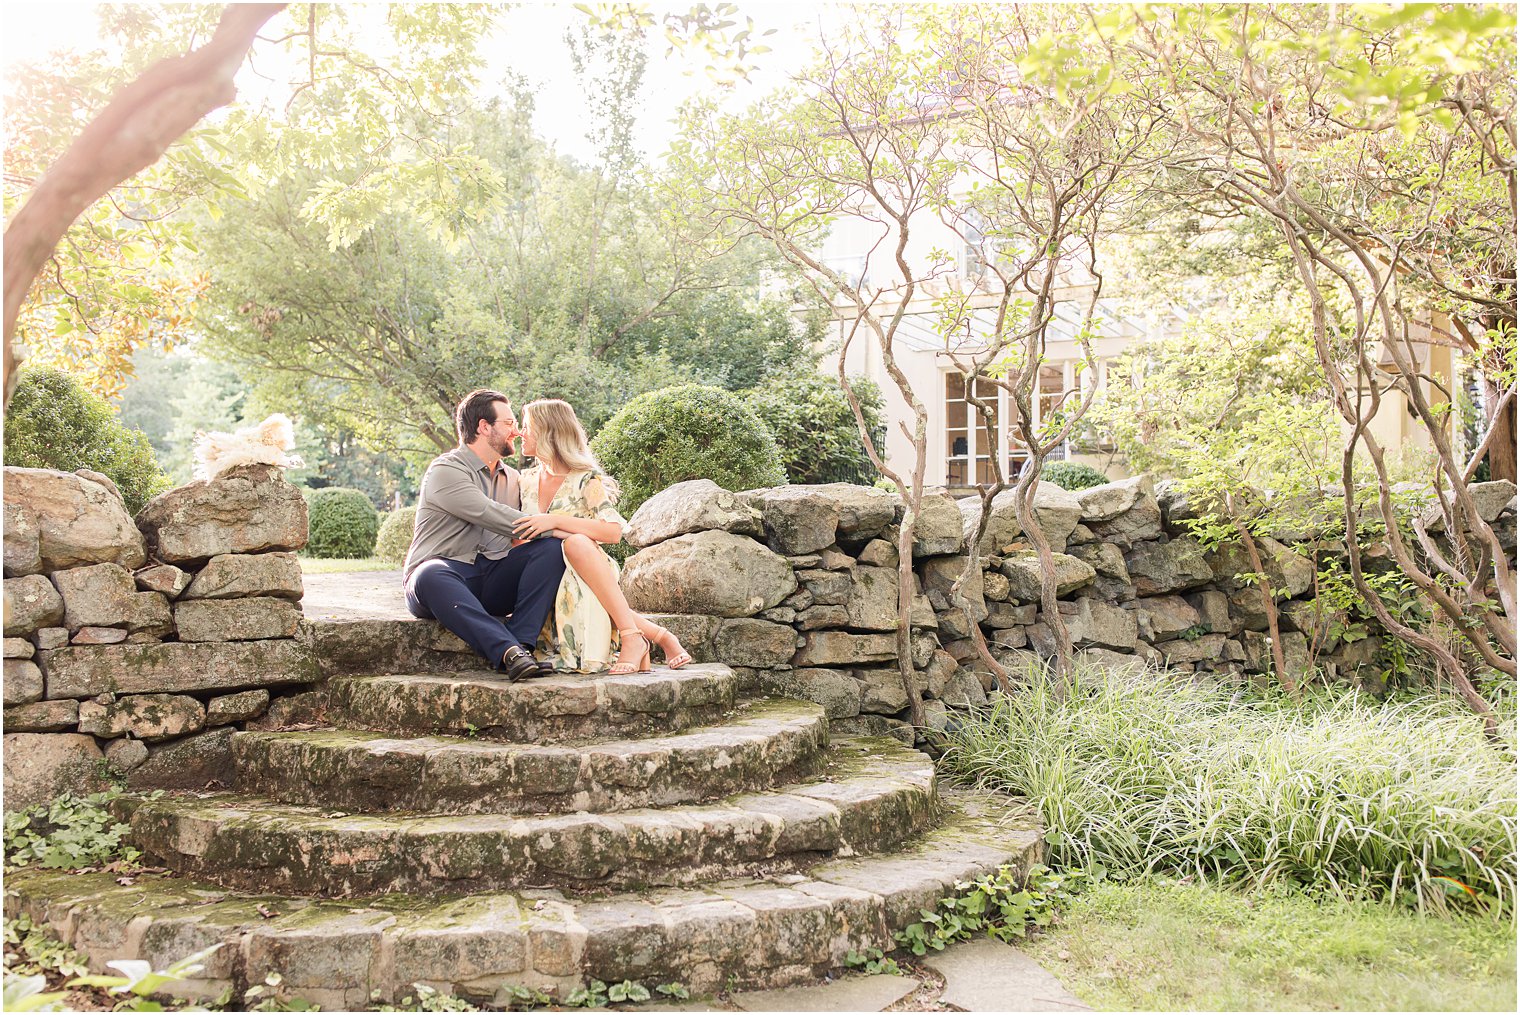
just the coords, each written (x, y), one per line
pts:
(1002, 904)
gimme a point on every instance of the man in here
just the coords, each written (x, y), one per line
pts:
(458, 569)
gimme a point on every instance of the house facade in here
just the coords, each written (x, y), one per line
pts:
(960, 455)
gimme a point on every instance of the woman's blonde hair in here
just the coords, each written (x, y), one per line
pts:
(562, 440)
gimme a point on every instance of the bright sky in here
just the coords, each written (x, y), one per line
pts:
(530, 42)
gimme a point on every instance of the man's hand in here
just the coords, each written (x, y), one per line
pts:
(534, 526)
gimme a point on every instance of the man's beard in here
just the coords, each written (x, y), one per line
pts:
(502, 446)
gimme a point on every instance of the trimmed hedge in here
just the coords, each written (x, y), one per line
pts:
(395, 536)
(815, 427)
(54, 423)
(1072, 476)
(343, 523)
(690, 431)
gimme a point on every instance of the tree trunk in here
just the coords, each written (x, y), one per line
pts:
(129, 135)
(1501, 450)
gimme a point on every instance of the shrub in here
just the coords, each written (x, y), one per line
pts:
(815, 428)
(1139, 774)
(395, 536)
(687, 432)
(343, 523)
(54, 423)
(1072, 475)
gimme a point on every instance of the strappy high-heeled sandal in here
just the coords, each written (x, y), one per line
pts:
(681, 658)
(642, 664)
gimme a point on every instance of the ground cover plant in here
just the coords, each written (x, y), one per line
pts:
(1403, 801)
(1172, 945)
(68, 832)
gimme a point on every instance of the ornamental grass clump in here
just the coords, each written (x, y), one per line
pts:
(1137, 774)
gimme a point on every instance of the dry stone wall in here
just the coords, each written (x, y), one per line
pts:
(139, 645)
(796, 587)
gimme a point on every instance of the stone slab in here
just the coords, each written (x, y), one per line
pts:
(851, 993)
(43, 717)
(254, 619)
(83, 671)
(40, 766)
(987, 975)
(355, 595)
(237, 575)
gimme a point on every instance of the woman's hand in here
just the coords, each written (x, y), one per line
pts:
(534, 526)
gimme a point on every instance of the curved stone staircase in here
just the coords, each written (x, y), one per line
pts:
(474, 835)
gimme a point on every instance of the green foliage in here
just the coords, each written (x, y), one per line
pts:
(135, 985)
(687, 432)
(1234, 405)
(1072, 476)
(1343, 615)
(30, 949)
(429, 999)
(52, 422)
(599, 286)
(1403, 801)
(594, 994)
(815, 428)
(343, 523)
(871, 962)
(271, 995)
(395, 535)
(68, 832)
(531, 996)
(29, 993)
(1002, 904)
(1186, 946)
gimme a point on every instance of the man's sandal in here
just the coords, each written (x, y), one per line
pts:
(518, 664)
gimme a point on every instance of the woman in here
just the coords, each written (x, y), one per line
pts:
(566, 492)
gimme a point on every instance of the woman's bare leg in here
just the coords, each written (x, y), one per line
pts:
(588, 560)
(586, 557)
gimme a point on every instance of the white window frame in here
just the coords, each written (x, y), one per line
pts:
(976, 434)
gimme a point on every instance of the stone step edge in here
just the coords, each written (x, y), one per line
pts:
(358, 771)
(749, 933)
(697, 679)
(886, 795)
(564, 708)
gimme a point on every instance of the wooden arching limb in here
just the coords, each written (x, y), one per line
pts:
(129, 135)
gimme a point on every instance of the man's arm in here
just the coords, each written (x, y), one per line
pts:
(451, 488)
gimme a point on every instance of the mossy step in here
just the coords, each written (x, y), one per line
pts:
(878, 793)
(759, 933)
(759, 743)
(563, 708)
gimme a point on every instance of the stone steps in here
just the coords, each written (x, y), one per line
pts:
(754, 933)
(565, 708)
(877, 794)
(760, 743)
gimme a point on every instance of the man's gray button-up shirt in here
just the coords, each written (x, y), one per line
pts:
(464, 510)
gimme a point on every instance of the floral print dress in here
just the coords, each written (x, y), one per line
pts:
(579, 628)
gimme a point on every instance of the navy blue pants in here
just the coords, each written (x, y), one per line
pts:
(467, 598)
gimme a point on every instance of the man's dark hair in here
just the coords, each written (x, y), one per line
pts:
(474, 407)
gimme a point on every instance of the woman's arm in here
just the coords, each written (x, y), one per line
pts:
(602, 532)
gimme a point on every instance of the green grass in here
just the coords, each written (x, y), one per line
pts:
(1404, 801)
(1169, 946)
(333, 565)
